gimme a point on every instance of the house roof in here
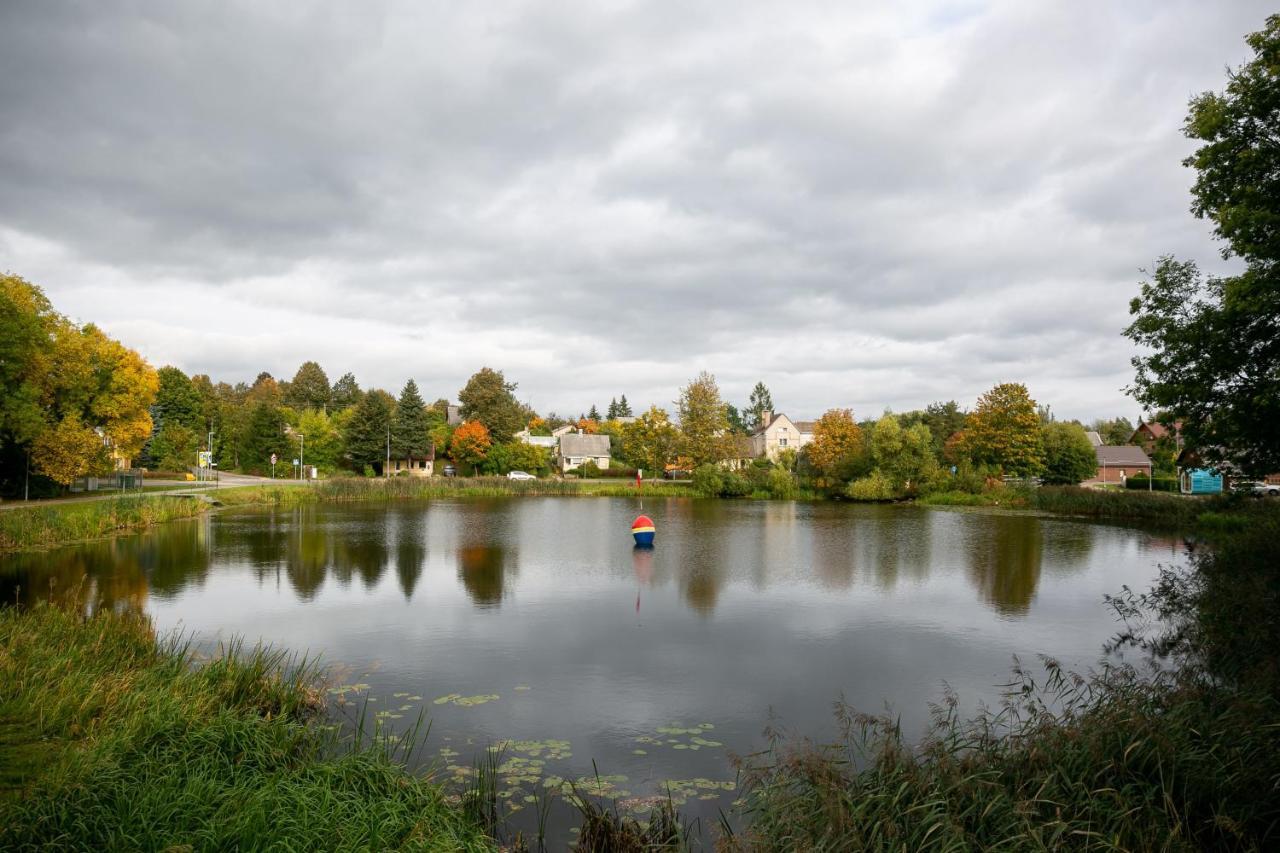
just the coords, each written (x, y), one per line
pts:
(1158, 430)
(801, 426)
(1124, 454)
(584, 445)
(1094, 438)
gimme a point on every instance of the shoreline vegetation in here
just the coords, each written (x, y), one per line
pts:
(53, 524)
(109, 737)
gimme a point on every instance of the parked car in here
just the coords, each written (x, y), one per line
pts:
(520, 475)
(450, 471)
(1262, 490)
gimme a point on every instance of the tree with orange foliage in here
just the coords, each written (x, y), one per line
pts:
(470, 444)
(837, 451)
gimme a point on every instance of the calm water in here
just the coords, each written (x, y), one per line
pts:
(534, 620)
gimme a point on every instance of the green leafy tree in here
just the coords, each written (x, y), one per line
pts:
(177, 400)
(1069, 457)
(366, 435)
(650, 442)
(905, 456)
(702, 420)
(346, 392)
(759, 404)
(410, 429)
(323, 446)
(489, 399)
(1211, 346)
(174, 447)
(1004, 431)
(309, 388)
(1114, 430)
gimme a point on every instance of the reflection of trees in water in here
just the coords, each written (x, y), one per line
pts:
(1067, 546)
(411, 551)
(115, 574)
(308, 553)
(482, 569)
(835, 550)
(702, 561)
(1004, 561)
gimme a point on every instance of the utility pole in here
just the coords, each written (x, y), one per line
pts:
(302, 443)
(386, 469)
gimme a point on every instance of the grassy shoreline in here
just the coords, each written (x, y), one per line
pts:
(110, 740)
(50, 525)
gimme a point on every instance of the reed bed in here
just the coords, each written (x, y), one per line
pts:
(56, 524)
(112, 741)
(354, 489)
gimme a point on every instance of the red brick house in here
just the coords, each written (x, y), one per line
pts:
(1118, 463)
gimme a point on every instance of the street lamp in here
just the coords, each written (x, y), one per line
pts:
(302, 442)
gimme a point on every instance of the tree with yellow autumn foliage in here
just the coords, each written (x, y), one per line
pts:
(1004, 430)
(837, 451)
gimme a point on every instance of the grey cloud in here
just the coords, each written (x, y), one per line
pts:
(855, 204)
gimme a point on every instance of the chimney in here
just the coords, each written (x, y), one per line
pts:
(768, 418)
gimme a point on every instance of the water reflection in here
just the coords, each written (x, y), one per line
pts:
(703, 546)
(1004, 561)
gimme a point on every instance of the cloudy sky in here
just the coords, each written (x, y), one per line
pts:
(861, 204)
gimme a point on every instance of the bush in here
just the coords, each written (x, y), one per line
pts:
(1159, 484)
(873, 487)
(781, 485)
(734, 485)
(589, 469)
(707, 480)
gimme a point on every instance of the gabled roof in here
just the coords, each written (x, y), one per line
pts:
(584, 445)
(1094, 438)
(1158, 430)
(1124, 454)
(801, 426)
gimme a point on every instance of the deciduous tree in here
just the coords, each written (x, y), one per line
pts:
(1004, 430)
(489, 399)
(905, 456)
(1211, 346)
(309, 388)
(470, 444)
(651, 441)
(346, 392)
(69, 449)
(1069, 457)
(702, 420)
(837, 452)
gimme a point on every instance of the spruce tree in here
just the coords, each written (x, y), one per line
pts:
(409, 427)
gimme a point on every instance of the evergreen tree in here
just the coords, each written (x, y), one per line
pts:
(624, 408)
(594, 414)
(366, 435)
(264, 435)
(410, 429)
(759, 405)
(346, 392)
(612, 411)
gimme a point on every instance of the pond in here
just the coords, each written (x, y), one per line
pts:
(534, 621)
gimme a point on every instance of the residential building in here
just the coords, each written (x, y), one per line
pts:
(1148, 434)
(547, 441)
(1117, 463)
(778, 433)
(1094, 438)
(577, 448)
(423, 466)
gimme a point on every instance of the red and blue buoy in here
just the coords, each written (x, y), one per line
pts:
(642, 530)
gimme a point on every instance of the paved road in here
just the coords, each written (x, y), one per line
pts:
(178, 487)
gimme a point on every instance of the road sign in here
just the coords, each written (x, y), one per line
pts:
(273, 459)
(206, 459)
(295, 463)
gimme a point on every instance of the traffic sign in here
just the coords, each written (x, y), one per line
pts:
(273, 459)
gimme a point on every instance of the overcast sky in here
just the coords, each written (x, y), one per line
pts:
(867, 205)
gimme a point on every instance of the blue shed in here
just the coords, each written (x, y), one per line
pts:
(1200, 481)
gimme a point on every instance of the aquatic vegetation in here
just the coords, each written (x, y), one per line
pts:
(465, 701)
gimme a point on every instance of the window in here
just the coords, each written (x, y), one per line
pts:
(782, 441)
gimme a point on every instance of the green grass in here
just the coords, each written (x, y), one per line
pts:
(110, 741)
(56, 524)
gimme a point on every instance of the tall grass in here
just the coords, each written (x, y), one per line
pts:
(55, 524)
(123, 744)
(344, 489)
(1187, 758)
